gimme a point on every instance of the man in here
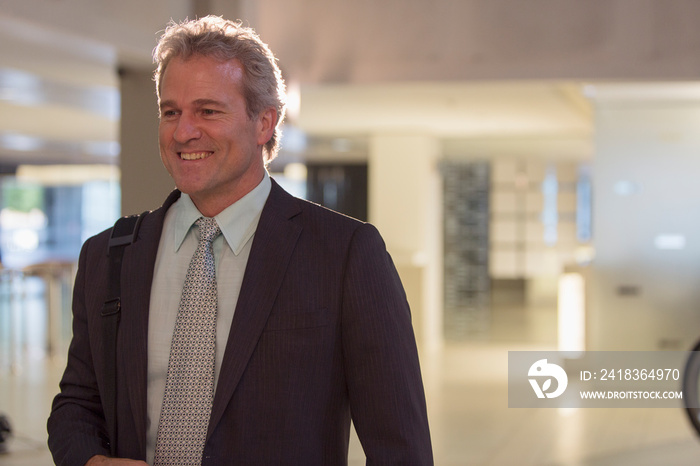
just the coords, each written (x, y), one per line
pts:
(306, 325)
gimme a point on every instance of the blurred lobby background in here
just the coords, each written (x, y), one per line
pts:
(533, 167)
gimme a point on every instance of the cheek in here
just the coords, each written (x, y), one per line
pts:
(164, 139)
(163, 135)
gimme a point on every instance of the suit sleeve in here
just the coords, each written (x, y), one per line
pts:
(385, 387)
(76, 424)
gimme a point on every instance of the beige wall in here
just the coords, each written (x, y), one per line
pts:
(645, 186)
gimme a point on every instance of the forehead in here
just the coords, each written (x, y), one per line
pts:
(201, 73)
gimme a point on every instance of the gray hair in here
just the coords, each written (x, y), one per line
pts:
(212, 36)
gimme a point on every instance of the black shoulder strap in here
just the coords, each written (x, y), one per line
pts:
(124, 233)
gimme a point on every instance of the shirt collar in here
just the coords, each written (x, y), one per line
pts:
(237, 222)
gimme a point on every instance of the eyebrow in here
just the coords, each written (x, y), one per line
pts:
(208, 102)
(197, 103)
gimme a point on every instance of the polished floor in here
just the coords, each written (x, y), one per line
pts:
(465, 383)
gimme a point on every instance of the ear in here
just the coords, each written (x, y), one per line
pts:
(267, 120)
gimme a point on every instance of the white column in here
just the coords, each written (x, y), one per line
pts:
(405, 204)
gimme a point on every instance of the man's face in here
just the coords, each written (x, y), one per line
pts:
(208, 144)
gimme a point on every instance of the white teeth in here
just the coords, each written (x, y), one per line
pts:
(194, 155)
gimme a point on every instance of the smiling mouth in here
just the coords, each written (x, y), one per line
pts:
(194, 155)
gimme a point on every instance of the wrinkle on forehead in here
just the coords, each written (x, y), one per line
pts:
(232, 69)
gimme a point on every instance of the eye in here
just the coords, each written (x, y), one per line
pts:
(209, 111)
(168, 113)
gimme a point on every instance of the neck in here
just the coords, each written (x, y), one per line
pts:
(211, 206)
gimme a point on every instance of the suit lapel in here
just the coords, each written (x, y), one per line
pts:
(273, 244)
(137, 278)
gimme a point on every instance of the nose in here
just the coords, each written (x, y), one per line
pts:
(187, 128)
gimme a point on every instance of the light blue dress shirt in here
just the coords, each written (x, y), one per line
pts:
(178, 242)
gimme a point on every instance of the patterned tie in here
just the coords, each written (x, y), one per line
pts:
(189, 388)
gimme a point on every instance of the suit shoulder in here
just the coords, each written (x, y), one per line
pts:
(319, 213)
(327, 225)
(322, 224)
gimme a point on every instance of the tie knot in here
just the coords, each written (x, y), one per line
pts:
(208, 229)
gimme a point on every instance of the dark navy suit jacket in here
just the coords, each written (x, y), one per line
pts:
(321, 332)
